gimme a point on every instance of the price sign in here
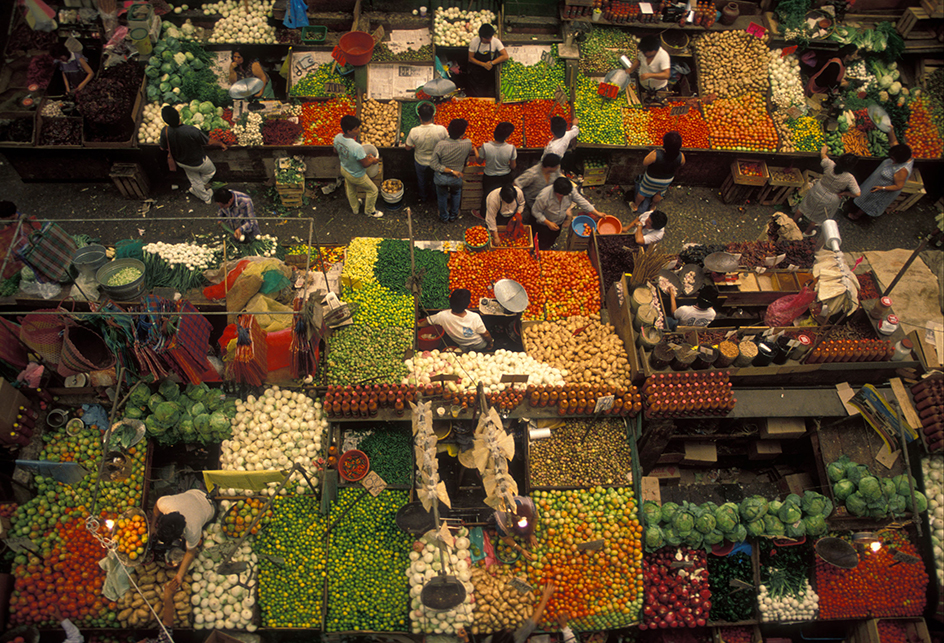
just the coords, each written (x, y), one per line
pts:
(788, 50)
(444, 378)
(902, 557)
(446, 536)
(560, 96)
(547, 57)
(645, 7)
(592, 545)
(794, 112)
(374, 483)
(514, 379)
(604, 403)
(679, 110)
(520, 584)
(756, 30)
(678, 564)
(332, 87)
(730, 334)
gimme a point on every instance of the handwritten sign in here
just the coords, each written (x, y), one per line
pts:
(902, 557)
(756, 30)
(645, 7)
(604, 403)
(547, 58)
(332, 87)
(561, 96)
(592, 545)
(529, 55)
(520, 584)
(374, 483)
(679, 110)
(794, 112)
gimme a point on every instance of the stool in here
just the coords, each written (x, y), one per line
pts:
(130, 180)
(741, 186)
(910, 194)
(781, 183)
(576, 243)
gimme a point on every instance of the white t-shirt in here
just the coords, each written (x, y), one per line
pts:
(648, 234)
(498, 157)
(194, 507)
(494, 45)
(424, 138)
(660, 62)
(464, 331)
(691, 316)
(560, 145)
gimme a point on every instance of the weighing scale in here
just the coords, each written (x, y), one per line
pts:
(243, 90)
(880, 117)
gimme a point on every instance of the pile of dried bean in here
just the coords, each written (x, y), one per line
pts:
(603, 458)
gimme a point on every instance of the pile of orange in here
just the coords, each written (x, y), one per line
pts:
(241, 515)
(132, 536)
(741, 123)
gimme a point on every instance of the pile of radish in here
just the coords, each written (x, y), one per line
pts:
(801, 605)
(676, 587)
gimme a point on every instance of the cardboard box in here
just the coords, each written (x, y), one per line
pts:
(797, 483)
(668, 475)
(783, 429)
(10, 402)
(700, 453)
(764, 450)
(650, 490)
(670, 458)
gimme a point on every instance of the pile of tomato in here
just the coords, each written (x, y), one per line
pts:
(476, 236)
(892, 632)
(691, 126)
(741, 123)
(225, 136)
(922, 133)
(571, 284)
(536, 116)
(879, 586)
(321, 119)
(476, 271)
(636, 122)
(483, 116)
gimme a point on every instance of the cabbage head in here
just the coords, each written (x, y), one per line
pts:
(901, 485)
(920, 504)
(694, 539)
(214, 401)
(167, 413)
(669, 509)
(856, 504)
(153, 93)
(837, 470)
(202, 422)
(709, 506)
(671, 536)
(878, 509)
(169, 390)
(220, 425)
(755, 527)
(889, 488)
(713, 537)
(738, 535)
(897, 505)
(753, 508)
(139, 396)
(870, 488)
(154, 401)
(198, 409)
(654, 538)
(705, 523)
(652, 512)
(816, 503)
(207, 107)
(196, 64)
(186, 428)
(843, 489)
(134, 413)
(153, 72)
(815, 525)
(684, 522)
(772, 525)
(857, 472)
(774, 507)
(153, 428)
(726, 517)
(790, 511)
(795, 530)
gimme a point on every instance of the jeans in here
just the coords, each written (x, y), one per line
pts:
(199, 176)
(352, 183)
(424, 182)
(448, 186)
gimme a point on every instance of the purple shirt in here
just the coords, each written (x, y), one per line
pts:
(241, 213)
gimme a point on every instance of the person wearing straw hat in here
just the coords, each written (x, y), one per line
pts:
(464, 327)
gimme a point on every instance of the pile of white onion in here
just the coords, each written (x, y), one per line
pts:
(273, 431)
(455, 28)
(473, 367)
(933, 469)
(424, 566)
(219, 601)
(242, 22)
(799, 607)
(785, 84)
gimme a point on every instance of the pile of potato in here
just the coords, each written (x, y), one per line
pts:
(151, 578)
(784, 131)
(379, 122)
(594, 355)
(498, 605)
(732, 63)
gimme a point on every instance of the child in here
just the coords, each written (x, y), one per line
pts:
(464, 327)
(701, 314)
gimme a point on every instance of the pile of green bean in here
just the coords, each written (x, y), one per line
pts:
(389, 449)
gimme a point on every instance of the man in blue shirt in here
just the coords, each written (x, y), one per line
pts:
(354, 164)
(238, 209)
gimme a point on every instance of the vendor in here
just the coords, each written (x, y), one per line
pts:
(701, 314)
(243, 66)
(181, 517)
(75, 69)
(464, 327)
(653, 63)
(521, 523)
(554, 209)
(649, 227)
(832, 75)
(237, 209)
(538, 177)
(501, 206)
(485, 53)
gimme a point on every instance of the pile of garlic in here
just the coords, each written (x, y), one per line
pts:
(785, 84)
(149, 132)
(220, 601)
(250, 133)
(273, 431)
(426, 564)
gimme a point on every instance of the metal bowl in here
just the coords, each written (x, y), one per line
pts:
(699, 281)
(511, 295)
(721, 262)
(672, 279)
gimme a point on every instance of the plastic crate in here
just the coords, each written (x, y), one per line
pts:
(314, 33)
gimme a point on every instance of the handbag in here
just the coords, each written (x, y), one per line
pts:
(49, 251)
(94, 354)
(42, 332)
(171, 163)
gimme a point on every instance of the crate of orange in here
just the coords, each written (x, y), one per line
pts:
(240, 515)
(131, 535)
(524, 239)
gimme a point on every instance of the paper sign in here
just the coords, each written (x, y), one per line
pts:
(446, 536)
(560, 96)
(306, 62)
(20, 544)
(886, 457)
(444, 378)
(845, 393)
(547, 57)
(788, 50)
(756, 30)
(679, 110)
(592, 545)
(678, 564)
(794, 112)
(332, 87)
(604, 403)
(902, 557)
(374, 483)
(387, 82)
(645, 7)
(402, 40)
(505, 379)
(520, 584)
(730, 334)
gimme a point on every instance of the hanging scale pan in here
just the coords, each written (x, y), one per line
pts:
(414, 519)
(439, 87)
(246, 88)
(443, 593)
(511, 295)
(837, 552)
(880, 117)
(721, 262)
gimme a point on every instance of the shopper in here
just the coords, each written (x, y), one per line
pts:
(184, 145)
(831, 77)
(501, 206)
(422, 141)
(567, 634)
(76, 72)
(538, 177)
(354, 164)
(500, 159)
(237, 208)
(884, 184)
(701, 314)
(486, 52)
(525, 630)
(464, 327)
(563, 141)
(244, 64)
(448, 162)
(649, 227)
(661, 166)
(73, 635)
(554, 208)
(653, 63)
(181, 517)
(521, 522)
(823, 199)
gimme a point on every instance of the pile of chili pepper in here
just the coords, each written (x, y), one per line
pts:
(354, 467)
(280, 131)
(753, 253)
(799, 253)
(867, 289)
(732, 603)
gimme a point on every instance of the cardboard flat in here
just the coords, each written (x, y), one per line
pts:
(764, 450)
(783, 429)
(797, 483)
(666, 474)
(651, 489)
(700, 453)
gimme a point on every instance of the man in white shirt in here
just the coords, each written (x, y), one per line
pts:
(553, 209)
(182, 516)
(485, 53)
(422, 141)
(501, 205)
(464, 327)
(653, 63)
(650, 227)
(563, 137)
(701, 314)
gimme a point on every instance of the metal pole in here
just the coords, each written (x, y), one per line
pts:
(937, 234)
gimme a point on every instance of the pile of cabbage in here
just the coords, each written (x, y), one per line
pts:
(708, 524)
(196, 414)
(181, 71)
(867, 495)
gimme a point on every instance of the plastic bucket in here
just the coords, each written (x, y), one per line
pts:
(392, 197)
(429, 338)
(357, 47)
(579, 222)
(609, 225)
(142, 40)
(372, 150)
(347, 455)
(90, 258)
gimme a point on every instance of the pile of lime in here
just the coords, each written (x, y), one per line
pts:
(532, 82)
(313, 85)
(360, 352)
(601, 119)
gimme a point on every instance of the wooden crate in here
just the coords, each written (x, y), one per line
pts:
(809, 178)
(779, 189)
(137, 114)
(910, 194)
(910, 19)
(934, 8)
(595, 176)
(130, 180)
(32, 115)
(740, 188)
(501, 230)
(291, 193)
(867, 631)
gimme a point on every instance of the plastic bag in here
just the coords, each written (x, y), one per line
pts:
(260, 305)
(39, 15)
(783, 311)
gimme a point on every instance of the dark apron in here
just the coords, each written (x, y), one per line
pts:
(482, 81)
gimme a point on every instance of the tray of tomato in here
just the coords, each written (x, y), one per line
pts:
(131, 532)
(353, 465)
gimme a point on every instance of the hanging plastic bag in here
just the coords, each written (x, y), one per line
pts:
(297, 15)
(783, 311)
